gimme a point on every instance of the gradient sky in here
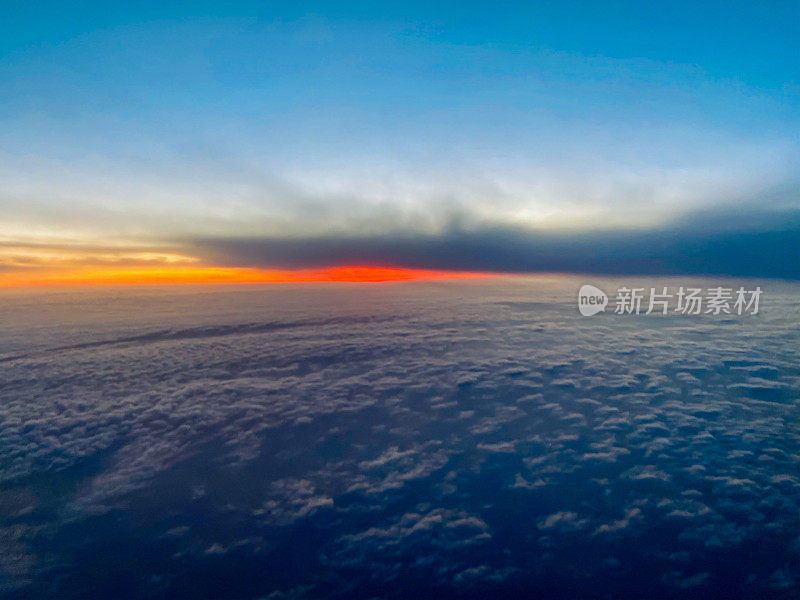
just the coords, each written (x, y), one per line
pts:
(251, 135)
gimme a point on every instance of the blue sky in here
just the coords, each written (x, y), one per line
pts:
(160, 122)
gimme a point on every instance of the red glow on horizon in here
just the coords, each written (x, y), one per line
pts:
(357, 274)
(200, 275)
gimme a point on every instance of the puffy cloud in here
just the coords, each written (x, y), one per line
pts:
(380, 436)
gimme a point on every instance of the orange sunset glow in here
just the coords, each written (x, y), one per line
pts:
(200, 275)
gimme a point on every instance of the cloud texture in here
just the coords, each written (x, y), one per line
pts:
(457, 440)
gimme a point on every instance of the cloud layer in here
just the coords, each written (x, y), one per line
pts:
(435, 439)
(749, 243)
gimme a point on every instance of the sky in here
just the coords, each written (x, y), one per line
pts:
(231, 141)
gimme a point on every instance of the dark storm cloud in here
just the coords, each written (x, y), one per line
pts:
(763, 244)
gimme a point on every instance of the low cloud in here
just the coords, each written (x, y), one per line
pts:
(743, 243)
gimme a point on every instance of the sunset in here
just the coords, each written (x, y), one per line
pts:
(357, 301)
(174, 274)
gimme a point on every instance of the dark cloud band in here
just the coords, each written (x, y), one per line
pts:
(745, 245)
